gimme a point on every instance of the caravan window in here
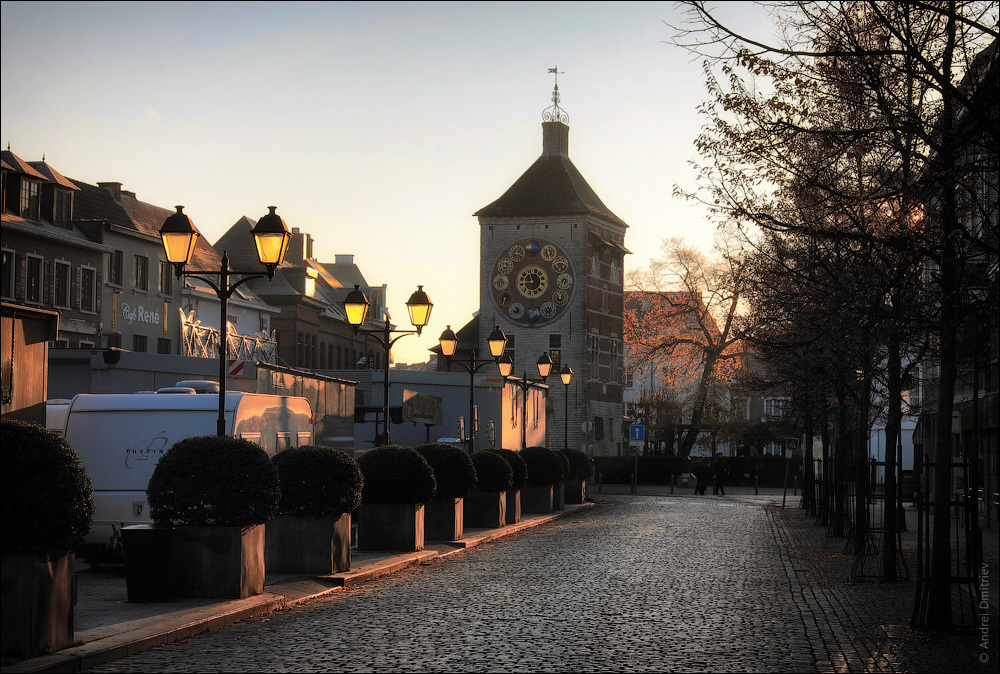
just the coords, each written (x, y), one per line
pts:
(252, 437)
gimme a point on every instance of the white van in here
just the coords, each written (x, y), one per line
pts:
(120, 437)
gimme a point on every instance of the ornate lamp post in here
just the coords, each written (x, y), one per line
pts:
(566, 374)
(544, 365)
(449, 342)
(419, 306)
(179, 237)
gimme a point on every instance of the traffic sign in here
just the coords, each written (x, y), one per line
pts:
(636, 433)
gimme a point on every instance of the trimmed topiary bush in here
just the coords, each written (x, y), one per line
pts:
(564, 460)
(454, 472)
(519, 469)
(318, 481)
(214, 480)
(581, 466)
(396, 474)
(493, 471)
(544, 466)
(46, 493)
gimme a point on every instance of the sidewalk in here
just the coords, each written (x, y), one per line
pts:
(107, 627)
(791, 500)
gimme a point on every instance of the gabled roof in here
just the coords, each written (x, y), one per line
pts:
(52, 175)
(237, 243)
(12, 162)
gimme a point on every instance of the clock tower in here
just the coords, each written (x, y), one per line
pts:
(551, 276)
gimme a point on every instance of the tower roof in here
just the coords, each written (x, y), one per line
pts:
(552, 185)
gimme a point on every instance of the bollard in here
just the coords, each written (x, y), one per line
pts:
(795, 485)
(673, 479)
(599, 483)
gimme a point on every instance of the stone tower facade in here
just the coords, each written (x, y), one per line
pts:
(551, 260)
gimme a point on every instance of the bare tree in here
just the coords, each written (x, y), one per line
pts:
(856, 128)
(681, 317)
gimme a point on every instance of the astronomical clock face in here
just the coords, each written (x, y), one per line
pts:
(532, 281)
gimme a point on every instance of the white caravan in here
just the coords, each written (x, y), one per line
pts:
(120, 437)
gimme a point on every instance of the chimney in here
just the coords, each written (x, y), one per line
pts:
(299, 247)
(555, 138)
(114, 188)
(343, 259)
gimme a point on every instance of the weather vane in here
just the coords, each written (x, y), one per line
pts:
(554, 113)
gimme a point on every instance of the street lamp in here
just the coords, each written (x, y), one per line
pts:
(544, 365)
(356, 306)
(179, 237)
(566, 374)
(449, 343)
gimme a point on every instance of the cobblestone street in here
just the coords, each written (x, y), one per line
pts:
(638, 583)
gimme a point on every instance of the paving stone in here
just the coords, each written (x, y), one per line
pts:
(640, 583)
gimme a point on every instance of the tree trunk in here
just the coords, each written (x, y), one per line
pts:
(808, 469)
(825, 487)
(698, 410)
(840, 449)
(939, 598)
(893, 425)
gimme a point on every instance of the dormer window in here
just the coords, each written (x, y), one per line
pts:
(64, 208)
(29, 199)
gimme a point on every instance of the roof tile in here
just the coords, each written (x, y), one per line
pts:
(52, 175)
(551, 186)
(19, 165)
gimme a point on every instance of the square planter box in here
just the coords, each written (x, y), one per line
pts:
(559, 496)
(147, 561)
(217, 561)
(486, 509)
(391, 527)
(316, 544)
(537, 498)
(38, 598)
(444, 519)
(576, 491)
(513, 507)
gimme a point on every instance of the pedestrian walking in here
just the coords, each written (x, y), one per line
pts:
(719, 472)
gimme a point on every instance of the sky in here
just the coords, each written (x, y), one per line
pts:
(379, 128)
